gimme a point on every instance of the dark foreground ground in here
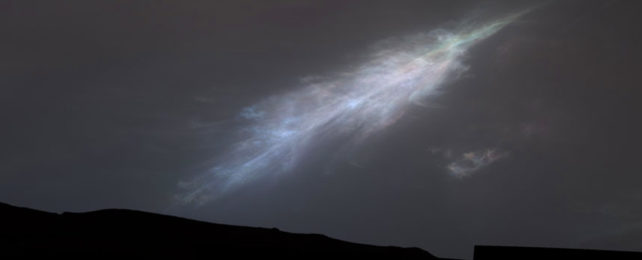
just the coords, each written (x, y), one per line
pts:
(127, 233)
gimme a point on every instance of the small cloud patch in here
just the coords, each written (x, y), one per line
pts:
(470, 162)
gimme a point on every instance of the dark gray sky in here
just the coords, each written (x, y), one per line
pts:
(110, 104)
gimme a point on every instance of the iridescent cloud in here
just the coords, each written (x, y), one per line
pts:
(354, 104)
(470, 162)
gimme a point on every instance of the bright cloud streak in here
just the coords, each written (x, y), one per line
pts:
(355, 104)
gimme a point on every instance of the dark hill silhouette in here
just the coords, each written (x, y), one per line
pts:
(129, 233)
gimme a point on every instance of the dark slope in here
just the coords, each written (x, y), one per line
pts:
(117, 233)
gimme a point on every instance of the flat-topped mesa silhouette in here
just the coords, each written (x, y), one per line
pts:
(115, 232)
(527, 253)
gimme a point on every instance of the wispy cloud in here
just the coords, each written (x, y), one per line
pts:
(354, 104)
(470, 162)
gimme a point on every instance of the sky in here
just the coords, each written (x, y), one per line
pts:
(433, 124)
